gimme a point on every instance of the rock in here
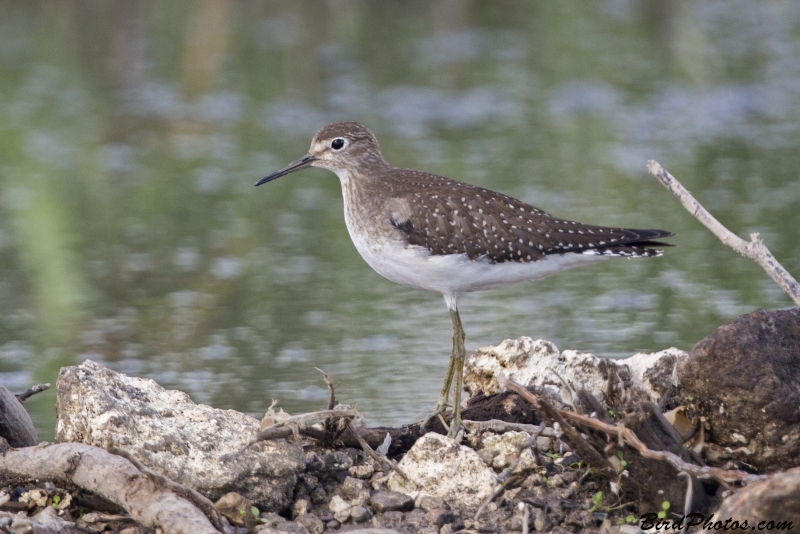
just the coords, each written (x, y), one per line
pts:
(290, 527)
(439, 516)
(236, 509)
(352, 488)
(391, 501)
(774, 499)
(175, 437)
(744, 379)
(319, 495)
(428, 503)
(439, 467)
(364, 470)
(340, 509)
(654, 372)
(299, 507)
(531, 363)
(359, 514)
(544, 444)
(505, 447)
(311, 522)
(374, 531)
(16, 425)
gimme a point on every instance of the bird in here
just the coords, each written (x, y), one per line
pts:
(436, 234)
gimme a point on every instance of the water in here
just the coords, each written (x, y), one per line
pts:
(131, 135)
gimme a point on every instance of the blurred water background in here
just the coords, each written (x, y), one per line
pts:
(131, 134)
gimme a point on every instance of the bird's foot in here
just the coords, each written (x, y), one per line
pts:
(455, 426)
(437, 413)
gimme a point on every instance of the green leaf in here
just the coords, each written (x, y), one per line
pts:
(630, 518)
(665, 505)
(662, 514)
(597, 498)
(255, 512)
(56, 500)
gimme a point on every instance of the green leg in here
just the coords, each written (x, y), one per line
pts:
(457, 368)
(444, 397)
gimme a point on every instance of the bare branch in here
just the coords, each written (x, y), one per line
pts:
(38, 388)
(753, 249)
(626, 435)
(112, 477)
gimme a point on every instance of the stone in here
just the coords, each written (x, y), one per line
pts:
(439, 516)
(338, 504)
(319, 495)
(16, 425)
(440, 467)
(531, 363)
(774, 499)
(287, 527)
(653, 372)
(236, 508)
(311, 522)
(359, 514)
(364, 470)
(743, 379)
(391, 501)
(505, 447)
(428, 503)
(353, 487)
(544, 444)
(193, 444)
(299, 507)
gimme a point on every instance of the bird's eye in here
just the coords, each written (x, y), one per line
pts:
(337, 144)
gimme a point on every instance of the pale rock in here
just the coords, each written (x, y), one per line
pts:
(313, 524)
(505, 447)
(654, 372)
(540, 363)
(193, 444)
(439, 467)
(234, 507)
(340, 509)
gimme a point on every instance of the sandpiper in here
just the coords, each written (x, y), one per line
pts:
(429, 232)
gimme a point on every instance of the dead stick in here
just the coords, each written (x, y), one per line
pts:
(38, 388)
(627, 435)
(585, 451)
(754, 249)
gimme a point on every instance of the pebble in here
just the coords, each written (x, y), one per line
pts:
(429, 502)
(312, 523)
(359, 514)
(390, 501)
(439, 516)
(363, 471)
(300, 507)
(353, 487)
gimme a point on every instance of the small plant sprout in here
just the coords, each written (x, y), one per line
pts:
(664, 507)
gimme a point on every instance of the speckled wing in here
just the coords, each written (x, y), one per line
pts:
(448, 217)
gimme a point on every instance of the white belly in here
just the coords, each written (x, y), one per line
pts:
(451, 274)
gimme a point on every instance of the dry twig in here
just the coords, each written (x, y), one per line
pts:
(627, 435)
(112, 477)
(753, 249)
(38, 388)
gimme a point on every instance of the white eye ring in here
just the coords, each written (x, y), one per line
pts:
(339, 143)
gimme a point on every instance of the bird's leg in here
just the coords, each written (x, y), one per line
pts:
(442, 405)
(457, 368)
(448, 381)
